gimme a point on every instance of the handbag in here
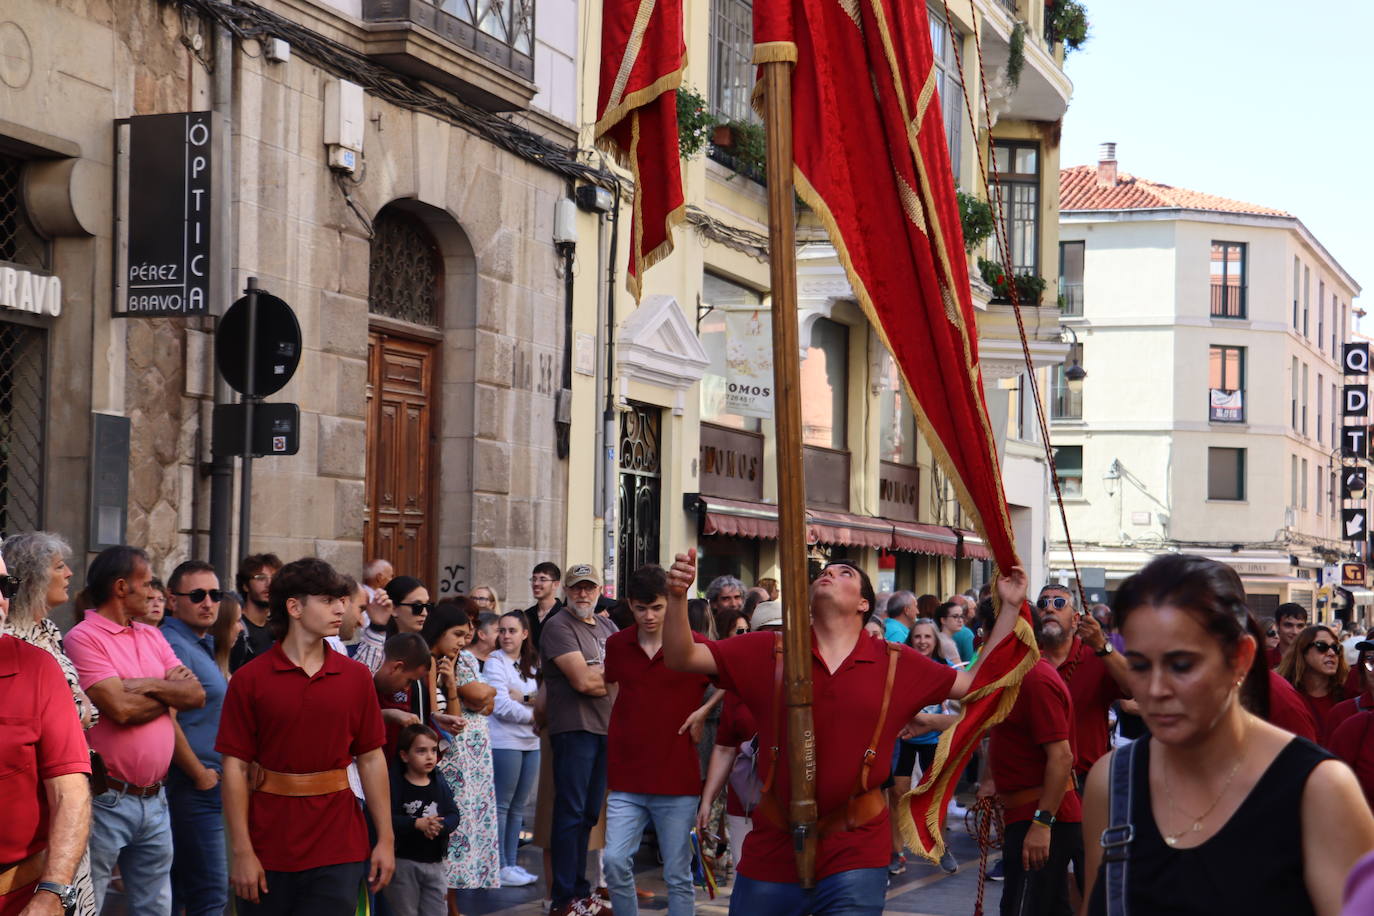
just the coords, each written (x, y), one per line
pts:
(744, 776)
(98, 775)
(1120, 833)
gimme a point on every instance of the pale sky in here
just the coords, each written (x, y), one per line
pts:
(1257, 100)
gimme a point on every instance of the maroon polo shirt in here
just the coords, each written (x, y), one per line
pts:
(736, 727)
(1353, 742)
(1344, 710)
(1288, 710)
(280, 717)
(644, 752)
(40, 738)
(1043, 714)
(1093, 690)
(845, 708)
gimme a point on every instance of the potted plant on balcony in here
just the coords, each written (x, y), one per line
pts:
(1030, 289)
(694, 122)
(745, 147)
(975, 215)
(1066, 21)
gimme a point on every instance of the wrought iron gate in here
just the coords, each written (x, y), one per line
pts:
(23, 381)
(641, 487)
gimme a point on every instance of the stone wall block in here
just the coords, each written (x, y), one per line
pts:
(490, 466)
(162, 530)
(500, 257)
(348, 509)
(345, 556)
(354, 256)
(490, 568)
(352, 388)
(494, 355)
(493, 413)
(489, 521)
(521, 524)
(343, 324)
(342, 444)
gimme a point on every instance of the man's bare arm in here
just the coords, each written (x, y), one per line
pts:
(1011, 591)
(681, 652)
(69, 825)
(586, 679)
(120, 704)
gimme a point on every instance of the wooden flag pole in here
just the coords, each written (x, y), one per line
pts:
(796, 606)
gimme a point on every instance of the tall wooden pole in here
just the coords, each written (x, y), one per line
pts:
(777, 87)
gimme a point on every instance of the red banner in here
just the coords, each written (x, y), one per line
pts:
(642, 54)
(872, 161)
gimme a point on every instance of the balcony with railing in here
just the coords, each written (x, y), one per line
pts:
(1070, 298)
(1228, 301)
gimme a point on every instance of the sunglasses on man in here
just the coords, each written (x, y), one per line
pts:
(197, 595)
(9, 586)
(1058, 603)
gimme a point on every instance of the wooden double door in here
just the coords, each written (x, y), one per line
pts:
(399, 526)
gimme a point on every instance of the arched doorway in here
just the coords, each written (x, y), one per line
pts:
(405, 297)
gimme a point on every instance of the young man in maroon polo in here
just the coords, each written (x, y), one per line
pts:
(46, 798)
(652, 767)
(302, 712)
(1030, 760)
(849, 672)
(1076, 646)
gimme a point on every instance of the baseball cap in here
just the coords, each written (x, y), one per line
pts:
(1364, 645)
(582, 572)
(766, 614)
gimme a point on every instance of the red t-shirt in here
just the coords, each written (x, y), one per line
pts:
(1353, 742)
(1043, 714)
(844, 709)
(1274, 655)
(644, 752)
(289, 722)
(1287, 709)
(1319, 707)
(40, 738)
(1354, 682)
(736, 727)
(1344, 710)
(1093, 690)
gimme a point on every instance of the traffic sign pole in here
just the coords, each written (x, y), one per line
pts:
(248, 398)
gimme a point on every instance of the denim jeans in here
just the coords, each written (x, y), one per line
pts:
(579, 786)
(857, 892)
(136, 833)
(516, 773)
(200, 873)
(627, 814)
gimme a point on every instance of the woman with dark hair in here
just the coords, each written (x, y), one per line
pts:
(483, 643)
(474, 859)
(949, 617)
(699, 614)
(731, 622)
(511, 672)
(1217, 811)
(410, 598)
(159, 599)
(1315, 666)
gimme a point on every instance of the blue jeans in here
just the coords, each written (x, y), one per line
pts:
(579, 786)
(627, 814)
(137, 834)
(857, 892)
(200, 873)
(516, 773)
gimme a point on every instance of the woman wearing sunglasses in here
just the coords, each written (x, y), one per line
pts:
(410, 598)
(1225, 812)
(1316, 667)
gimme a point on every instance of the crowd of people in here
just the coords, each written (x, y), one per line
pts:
(310, 744)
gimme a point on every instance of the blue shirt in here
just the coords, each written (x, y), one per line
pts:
(963, 638)
(198, 653)
(895, 631)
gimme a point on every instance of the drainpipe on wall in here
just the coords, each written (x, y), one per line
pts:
(610, 435)
(221, 470)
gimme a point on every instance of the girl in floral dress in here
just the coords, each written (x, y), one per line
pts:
(474, 849)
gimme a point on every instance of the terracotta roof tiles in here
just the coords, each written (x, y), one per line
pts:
(1078, 190)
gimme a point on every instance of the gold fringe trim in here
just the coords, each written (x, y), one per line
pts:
(772, 52)
(638, 99)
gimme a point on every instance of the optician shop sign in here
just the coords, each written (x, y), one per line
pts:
(164, 257)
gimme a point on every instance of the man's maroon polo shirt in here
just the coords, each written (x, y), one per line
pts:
(280, 717)
(845, 708)
(1353, 742)
(1043, 714)
(1094, 690)
(40, 738)
(1344, 710)
(644, 752)
(1288, 710)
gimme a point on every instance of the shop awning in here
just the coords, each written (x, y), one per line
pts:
(738, 518)
(933, 539)
(974, 548)
(849, 530)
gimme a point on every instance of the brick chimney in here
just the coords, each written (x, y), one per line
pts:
(1106, 165)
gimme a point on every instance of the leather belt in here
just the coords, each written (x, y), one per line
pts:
(299, 785)
(1025, 796)
(23, 873)
(128, 788)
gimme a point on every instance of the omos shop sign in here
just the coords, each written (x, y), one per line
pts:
(24, 290)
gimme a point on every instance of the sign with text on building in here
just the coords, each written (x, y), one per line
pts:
(1355, 402)
(1354, 524)
(1353, 574)
(1354, 442)
(749, 363)
(27, 290)
(1355, 358)
(164, 229)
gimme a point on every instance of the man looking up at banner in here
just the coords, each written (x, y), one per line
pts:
(865, 691)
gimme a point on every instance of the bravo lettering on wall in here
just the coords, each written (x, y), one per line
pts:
(163, 225)
(26, 290)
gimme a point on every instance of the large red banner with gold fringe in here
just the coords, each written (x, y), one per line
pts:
(872, 161)
(642, 55)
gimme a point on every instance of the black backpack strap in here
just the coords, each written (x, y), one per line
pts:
(1120, 832)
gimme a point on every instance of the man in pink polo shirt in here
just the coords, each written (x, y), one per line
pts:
(134, 678)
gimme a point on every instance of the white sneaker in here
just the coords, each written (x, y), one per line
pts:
(515, 877)
(532, 877)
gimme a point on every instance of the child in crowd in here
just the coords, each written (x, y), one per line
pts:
(423, 815)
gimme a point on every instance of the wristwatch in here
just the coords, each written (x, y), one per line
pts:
(1043, 818)
(66, 893)
(1107, 649)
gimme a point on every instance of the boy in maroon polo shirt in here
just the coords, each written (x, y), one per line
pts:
(301, 712)
(652, 767)
(849, 673)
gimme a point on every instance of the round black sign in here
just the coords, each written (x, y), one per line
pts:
(276, 351)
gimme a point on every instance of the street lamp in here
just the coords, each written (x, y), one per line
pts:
(1110, 478)
(1075, 374)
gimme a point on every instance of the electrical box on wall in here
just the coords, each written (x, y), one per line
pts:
(343, 123)
(565, 222)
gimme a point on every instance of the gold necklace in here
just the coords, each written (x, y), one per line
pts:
(1172, 839)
